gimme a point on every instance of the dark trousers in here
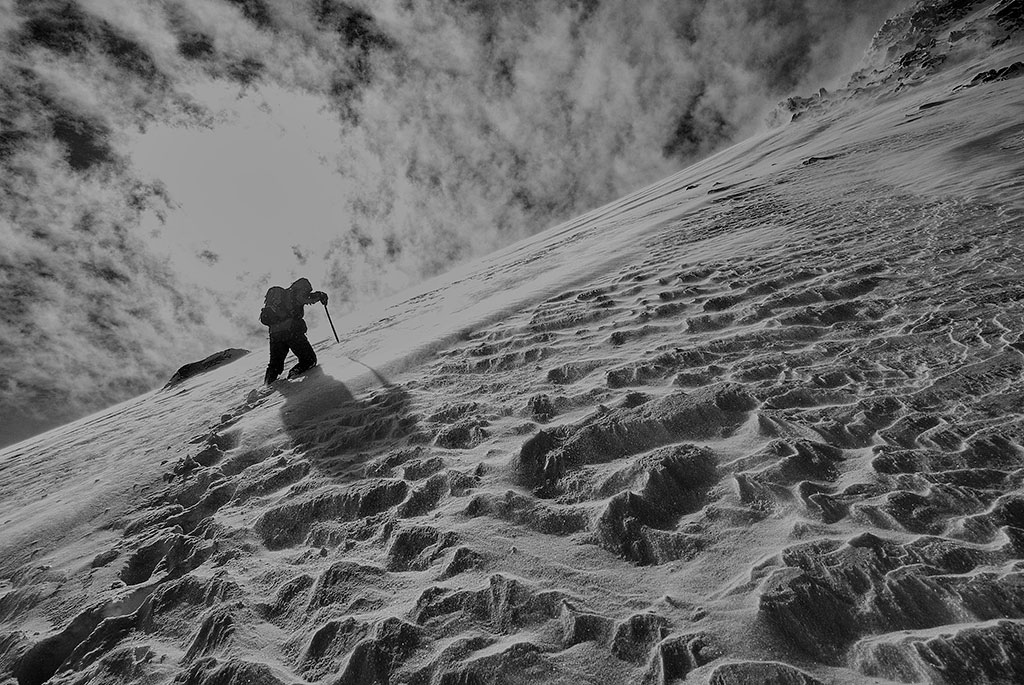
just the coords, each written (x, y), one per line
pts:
(279, 348)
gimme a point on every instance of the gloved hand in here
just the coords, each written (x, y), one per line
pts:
(323, 298)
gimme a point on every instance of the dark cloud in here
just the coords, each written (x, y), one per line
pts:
(460, 126)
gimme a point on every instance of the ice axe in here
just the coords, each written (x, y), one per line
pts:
(331, 322)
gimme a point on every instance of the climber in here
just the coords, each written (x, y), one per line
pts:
(282, 314)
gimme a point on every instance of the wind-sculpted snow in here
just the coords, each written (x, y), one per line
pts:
(774, 433)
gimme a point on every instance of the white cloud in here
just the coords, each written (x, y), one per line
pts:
(252, 186)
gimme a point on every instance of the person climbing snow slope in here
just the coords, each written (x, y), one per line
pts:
(283, 314)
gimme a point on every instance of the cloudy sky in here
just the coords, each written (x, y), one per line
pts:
(162, 162)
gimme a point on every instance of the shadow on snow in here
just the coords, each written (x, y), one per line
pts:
(338, 431)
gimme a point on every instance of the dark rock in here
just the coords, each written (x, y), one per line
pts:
(1012, 71)
(212, 362)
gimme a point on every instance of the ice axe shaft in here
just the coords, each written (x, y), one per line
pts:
(331, 322)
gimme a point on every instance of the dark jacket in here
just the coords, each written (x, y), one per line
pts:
(285, 318)
(279, 319)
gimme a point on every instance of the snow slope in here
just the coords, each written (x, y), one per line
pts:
(759, 422)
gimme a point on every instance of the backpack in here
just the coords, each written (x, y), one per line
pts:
(276, 299)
